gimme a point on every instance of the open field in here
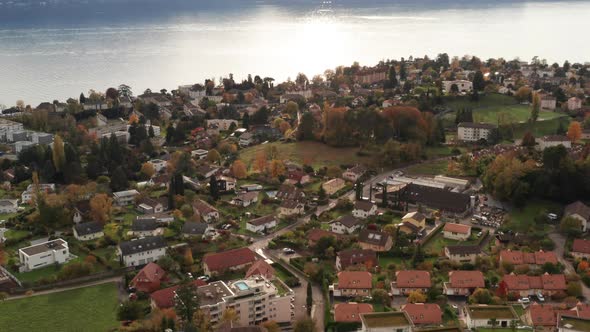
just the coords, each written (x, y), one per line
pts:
(488, 100)
(85, 309)
(428, 168)
(317, 154)
(515, 114)
(523, 220)
(541, 128)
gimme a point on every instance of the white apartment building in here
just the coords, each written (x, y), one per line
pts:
(125, 197)
(44, 254)
(8, 206)
(254, 300)
(473, 132)
(554, 140)
(141, 251)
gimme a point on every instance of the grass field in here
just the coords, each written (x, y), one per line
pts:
(84, 309)
(541, 128)
(516, 114)
(523, 220)
(317, 154)
(488, 100)
(438, 243)
(428, 168)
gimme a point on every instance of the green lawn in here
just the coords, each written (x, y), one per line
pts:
(440, 151)
(385, 261)
(428, 168)
(516, 114)
(438, 242)
(85, 309)
(541, 128)
(318, 154)
(523, 220)
(488, 100)
(15, 234)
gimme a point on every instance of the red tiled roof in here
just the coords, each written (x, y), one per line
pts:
(355, 280)
(164, 298)
(150, 274)
(583, 310)
(542, 257)
(466, 279)
(260, 267)
(457, 228)
(542, 315)
(524, 282)
(350, 312)
(518, 257)
(316, 234)
(413, 279)
(356, 256)
(227, 259)
(423, 313)
(581, 246)
(554, 282)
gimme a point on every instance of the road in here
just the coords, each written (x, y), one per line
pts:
(118, 280)
(559, 250)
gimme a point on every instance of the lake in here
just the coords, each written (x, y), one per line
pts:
(64, 52)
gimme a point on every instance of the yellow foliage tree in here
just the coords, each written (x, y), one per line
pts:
(260, 163)
(238, 169)
(277, 168)
(148, 170)
(574, 132)
(100, 207)
(416, 297)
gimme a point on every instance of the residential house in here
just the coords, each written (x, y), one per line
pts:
(333, 186)
(581, 249)
(297, 177)
(371, 75)
(530, 259)
(251, 187)
(148, 205)
(141, 227)
(28, 195)
(364, 209)
(423, 314)
(542, 317)
(81, 211)
(219, 125)
(487, 316)
(547, 284)
(8, 206)
(417, 219)
(351, 312)
(579, 211)
(141, 251)
(463, 86)
(289, 208)
(353, 174)
(375, 240)
(196, 229)
(346, 225)
(158, 164)
(231, 260)
(262, 224)
(567, 323)
(574, 104)
(397, 321)
(473, 132)
(125, 197)
(353, 284)
(315, 234)
(463, 283)
(148, 279)
(288, 192)
(199, 154)
(205, 211)
(246, 139)
(43, 254)
(206, 171)
(356, 258)
(160, 218)
(554, 140)
(548, 102)
(463, 253)
(88, 231)
(261, 268)
(226, 184)
(407, 281)
(245, 199)
(454, 231)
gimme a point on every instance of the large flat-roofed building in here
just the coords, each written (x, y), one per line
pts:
(44, 254)
(7, 126)
(473, 132)
(125, 197)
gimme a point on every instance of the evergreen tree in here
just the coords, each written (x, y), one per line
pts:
(309, 299)
(392, 76)
(213, 188)
(246, 120)
(358, 187)
(119, 180)
(478, 81)
(170, 134)
(82, 98)
(418, 255)
(186, 302)
(403, 75)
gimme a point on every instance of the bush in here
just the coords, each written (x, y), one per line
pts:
(292, 282)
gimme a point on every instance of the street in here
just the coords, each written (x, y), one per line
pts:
(559, 250)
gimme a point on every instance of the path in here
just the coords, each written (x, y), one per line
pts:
(559, 250)
(117, 280)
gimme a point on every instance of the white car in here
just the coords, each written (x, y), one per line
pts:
(540, 297)
(288, 251)
(524, 300)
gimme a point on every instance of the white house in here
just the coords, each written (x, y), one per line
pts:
(141, 251)
(246, 139)
(125, 197)
(456, 231)
(260, 225)
(291, 208)
(554, 140)
(462, 85)
(88, 231)
(246, 199)
(345, 225)
(200, 154)
(44, 254)
(354, 173)
(27, 195)
(158, 164)
(473, 132)
(8, 206)
(480, 316)
(580, 211)
(548, 102)
(364, 209)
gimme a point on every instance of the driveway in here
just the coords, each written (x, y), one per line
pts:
(559, 250)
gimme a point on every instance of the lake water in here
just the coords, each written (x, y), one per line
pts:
(59, 56)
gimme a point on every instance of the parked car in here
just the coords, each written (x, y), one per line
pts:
(540, 297)
(524, 300)
(288, 251)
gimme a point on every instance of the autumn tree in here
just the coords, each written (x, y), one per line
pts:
(535, 107)
(277, 168)
(417, 297)
(213, 156)
(147, 169)
(284, 126)
(239, 170)
(271, 326)
(59, 155)
(188, 257)
(305, 325)
(260, 162)
(574, 132)
(481, 296)
(100, 207)
(528, 139)
(571, 226)
(133, 119)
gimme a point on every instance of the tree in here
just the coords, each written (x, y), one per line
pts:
(528, 140)
(58, 154)
(574, 132)
(309, 299)
(148, 170)
(502, 290)
(213, 156)
(418, 256)
(481, 296)
(119, 180)
(574, 288)
(381, 296)
(213, 188)
(571, 226)
(186, 302)
(277, 168)
(536, 107)
(454, 89)
(358, 189)
(271, 326)
(260, 163)
(230, 317)
(82, 98)
(305, 325)
(130, 310)
(417, 297)
(306, 126)
(100, 208)
(239, 170)
(246, 120)
(523, 94)
(478, 81)
(392, 77)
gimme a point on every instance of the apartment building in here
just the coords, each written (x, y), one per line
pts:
(473, 132)
(141, 251)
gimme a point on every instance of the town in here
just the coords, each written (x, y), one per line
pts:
(423, 194)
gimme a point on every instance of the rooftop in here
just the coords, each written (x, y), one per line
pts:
(491, 311)
(57, 244)
(386, 319)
